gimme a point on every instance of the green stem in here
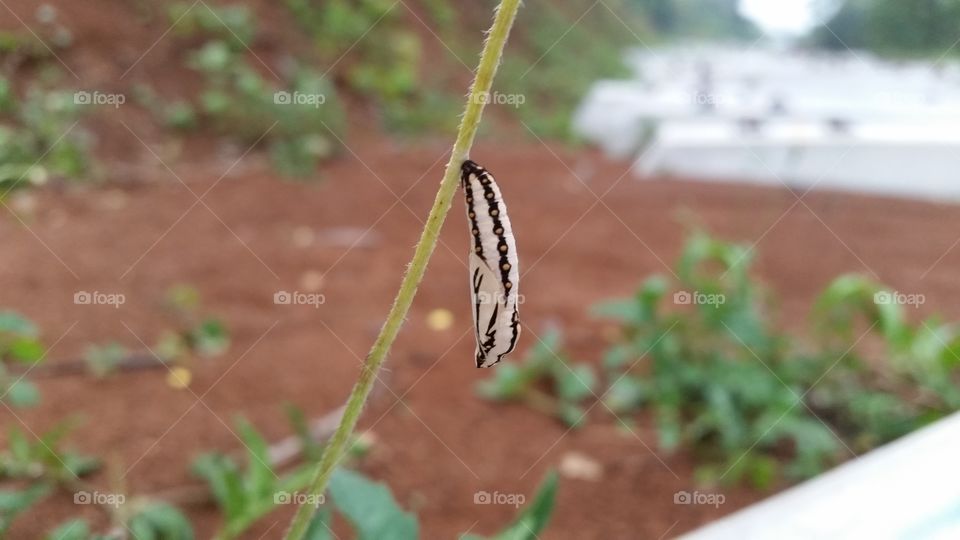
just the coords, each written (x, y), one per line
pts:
(489, 61)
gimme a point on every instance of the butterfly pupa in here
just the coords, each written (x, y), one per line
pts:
(494, 273)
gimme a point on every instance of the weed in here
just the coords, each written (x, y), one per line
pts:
(102, 360)
(753, 402)
(544, 366)
(293, 116)
(43, 459)
(39, 140)
(194, 334)
(19, 343)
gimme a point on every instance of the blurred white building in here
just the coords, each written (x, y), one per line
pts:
(833, 121)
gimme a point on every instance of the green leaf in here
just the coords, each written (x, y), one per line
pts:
(319, 528)
(575, 383)
(13, 502)
(223, 476)
(509, 381)
(625, 394)
(210, 338)
(668, 428)
(535, 516)
(26, 350)
(14, 324)
(170, 346)
(215, 56)
(75, 529)
(160, 521)
(182, 297)
(571, 414)
(370, 508)
(618, 355)
(621, 310)
(22, 393)
(102, 360)
(260, 478)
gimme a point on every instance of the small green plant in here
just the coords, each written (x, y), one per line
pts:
(43, 459)
(144, 518)
(102, 360)
(41, 464)
(19, 344)
(753, 402)
(195, 335)
(232, 24)
(16, 501)
(385, 59)
(297, 118)
(38, 139)
(544, 367)
(532, 522)
(540, 71)
(245, 496)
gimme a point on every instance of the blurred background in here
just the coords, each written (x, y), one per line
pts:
(737, 232)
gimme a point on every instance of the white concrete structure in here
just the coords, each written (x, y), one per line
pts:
(907, 490)
(843, 122)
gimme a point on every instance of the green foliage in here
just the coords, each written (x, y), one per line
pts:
(533, 521)
(16, 501)
(384, 57)
(239, 102)
(156, 520)
(702, 19)
(891, 27)
(195, 335)
(245, 495)
(232, 24)
(722, 380)
(43, 459)
(37, 138)
(571, 383)
(555, 61)
(20, 344)
(145, 519)
(74, 529)
(293, 116)
(102, 360)
(337, 22)
(370, 508)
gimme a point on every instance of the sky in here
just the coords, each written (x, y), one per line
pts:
(780, 16)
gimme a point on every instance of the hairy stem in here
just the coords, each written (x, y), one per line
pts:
(489, 61)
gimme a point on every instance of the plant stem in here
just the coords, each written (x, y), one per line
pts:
(506, 12)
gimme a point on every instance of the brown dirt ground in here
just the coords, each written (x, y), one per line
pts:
(438, 443)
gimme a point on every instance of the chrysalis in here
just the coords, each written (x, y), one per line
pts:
(494, 274)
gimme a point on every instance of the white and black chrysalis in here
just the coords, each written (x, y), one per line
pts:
(494, 273)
